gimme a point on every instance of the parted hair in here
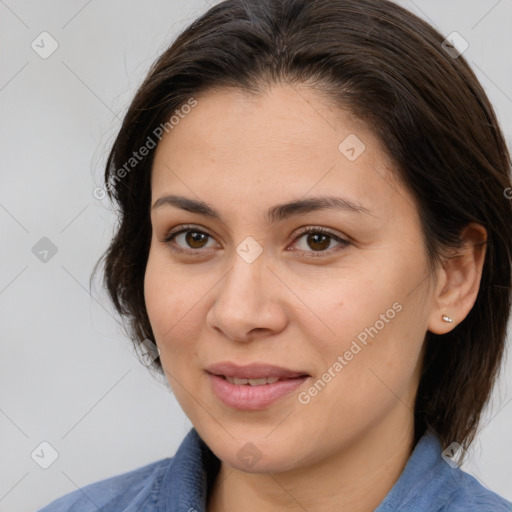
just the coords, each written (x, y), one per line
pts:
(421, 100)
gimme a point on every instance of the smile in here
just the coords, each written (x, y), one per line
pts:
(253, 394)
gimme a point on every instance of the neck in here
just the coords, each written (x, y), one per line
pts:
(357, 478)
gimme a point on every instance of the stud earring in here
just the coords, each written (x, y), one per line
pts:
(447, 319)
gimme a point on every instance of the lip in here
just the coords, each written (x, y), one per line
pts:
(247, 397)
(250, 398)
(253, 371)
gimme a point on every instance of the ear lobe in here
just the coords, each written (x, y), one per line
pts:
(459, 280)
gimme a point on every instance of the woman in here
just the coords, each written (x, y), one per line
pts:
(316, 235)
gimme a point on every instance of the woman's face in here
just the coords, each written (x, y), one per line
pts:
(347, 308)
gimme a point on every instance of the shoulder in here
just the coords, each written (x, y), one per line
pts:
(122, 492)
(470, 495)
(432, 482)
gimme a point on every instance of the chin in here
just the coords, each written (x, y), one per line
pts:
(257, 456)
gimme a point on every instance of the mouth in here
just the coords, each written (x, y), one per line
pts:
(254, 386)
(251, 382)
(253, 374)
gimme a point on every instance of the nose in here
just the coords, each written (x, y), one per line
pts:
(248, 302)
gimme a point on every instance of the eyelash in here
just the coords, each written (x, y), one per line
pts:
(171, 235)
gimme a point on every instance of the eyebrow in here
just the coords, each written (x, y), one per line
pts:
(276, 213)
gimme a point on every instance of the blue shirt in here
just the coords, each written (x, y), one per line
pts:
(182, 483)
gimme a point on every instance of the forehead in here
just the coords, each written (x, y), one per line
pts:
(285, 142)
(284, 119)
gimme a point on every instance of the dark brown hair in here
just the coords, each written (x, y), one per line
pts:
(390, 69)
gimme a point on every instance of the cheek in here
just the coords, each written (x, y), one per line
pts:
(155, 296)
(174, 310)
(165, 297)
(343, 304)
(375, 324)
(175, 303)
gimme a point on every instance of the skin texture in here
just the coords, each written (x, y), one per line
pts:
(295, 306)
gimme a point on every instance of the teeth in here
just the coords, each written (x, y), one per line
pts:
(252, 382)
(257, 382)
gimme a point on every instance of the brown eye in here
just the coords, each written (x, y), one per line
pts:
(196, 239)
(319, 240)
(188, 239)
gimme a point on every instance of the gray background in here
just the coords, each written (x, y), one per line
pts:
(68, 376)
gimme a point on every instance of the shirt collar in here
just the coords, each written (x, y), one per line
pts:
(190, 475)
(422, 484)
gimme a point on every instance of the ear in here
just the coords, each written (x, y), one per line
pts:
(459, 280)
